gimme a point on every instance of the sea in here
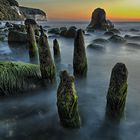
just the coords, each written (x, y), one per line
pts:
(34, 116)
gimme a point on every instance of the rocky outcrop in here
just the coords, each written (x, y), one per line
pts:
(6, 10)
(33, 13)
(10, 10)
(99, 21)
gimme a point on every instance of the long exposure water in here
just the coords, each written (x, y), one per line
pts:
(33, 115)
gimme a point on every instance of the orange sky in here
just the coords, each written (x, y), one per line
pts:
(82, 9)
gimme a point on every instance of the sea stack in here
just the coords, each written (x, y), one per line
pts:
(47, 66)
(56, 49)
(99, 21)
(117, 92)
(33, 48)
(80, 59)
(67, 102)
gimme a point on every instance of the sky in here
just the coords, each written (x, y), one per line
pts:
(82, 9)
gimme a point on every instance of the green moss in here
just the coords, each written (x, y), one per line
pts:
(67, 102)
(117, 92)
(47, 66)
(33, 48)
(17, 76)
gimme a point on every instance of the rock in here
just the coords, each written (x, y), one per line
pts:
(33, 13)
(33, 48)
(47, 66)
(18, 27)
(132, 38)
(8, 25)
(54, 31)
(30, 22)
(63, 28)
(98, 21)
(56, 50)
(71, 33)
(115, 31)
(109, 33)
(117, 92)
(117, 39)
(134, 30)
(96, 47)
(67, 102)
(7, 12)
(100, 41)
(80, 59)
(133, 45)
(17, 37)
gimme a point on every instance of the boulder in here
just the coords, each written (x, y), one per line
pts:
(115, 31)
(98, 21)
(71, 32)
(100, 41)
(109, 33)
(132, 38)
(117, 39)
(54, 31)
(17, 37)
(30, 22)
(96, 47)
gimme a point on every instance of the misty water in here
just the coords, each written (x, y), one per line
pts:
(34, 116)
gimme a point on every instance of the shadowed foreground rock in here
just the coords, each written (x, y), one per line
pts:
(56, 50)
(98, 21)
(117, 92)
(67, 102)
(33, 48)
(47, 66)
(80, 59)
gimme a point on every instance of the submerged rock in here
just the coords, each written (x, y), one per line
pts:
(115, 31)
(17, 37)
(132, 38)
(96, 47)
(133, 45)
(109, 33)
(98, 21)
(67, 102)
(71, 32)
(33, 48)
(54, 31)
(80, 59)
(117, 39)
(117, 92)
(47, 66)
(100, 41)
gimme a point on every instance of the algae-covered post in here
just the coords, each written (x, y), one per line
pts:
(56, 50)
(47, 66)
(67, 101)
(80, 58)
(117, 92)
(33, 48)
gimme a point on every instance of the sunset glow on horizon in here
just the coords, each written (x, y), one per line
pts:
(82, 9)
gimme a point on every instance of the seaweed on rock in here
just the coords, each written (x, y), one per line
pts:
(117, 92)
(17, 76)
(67, 102)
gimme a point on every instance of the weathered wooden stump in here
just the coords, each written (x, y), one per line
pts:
(33, 48)
(117, 92)
(56, 50)
(79, 60)
(67, 102)
(47, 66)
